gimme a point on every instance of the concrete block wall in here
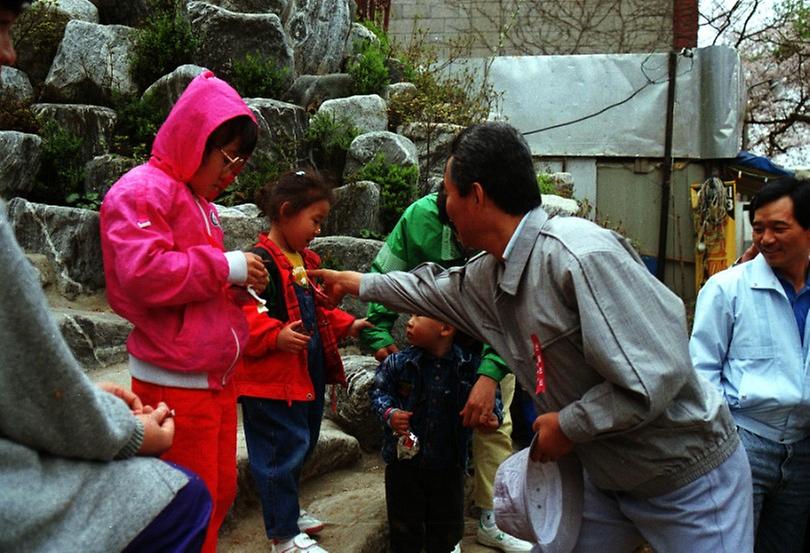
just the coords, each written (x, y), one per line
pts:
(541, 27)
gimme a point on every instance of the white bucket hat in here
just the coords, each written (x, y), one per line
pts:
(540, 502)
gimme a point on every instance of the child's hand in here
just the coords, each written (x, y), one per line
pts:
(357, 326)
(400, 421)
(257, 276)
(491, 424)
(291, 338)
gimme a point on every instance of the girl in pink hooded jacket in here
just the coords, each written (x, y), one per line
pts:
(168, 274)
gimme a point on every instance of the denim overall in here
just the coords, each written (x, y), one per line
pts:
(283, 437)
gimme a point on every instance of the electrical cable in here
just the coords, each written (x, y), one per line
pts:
(649, 82)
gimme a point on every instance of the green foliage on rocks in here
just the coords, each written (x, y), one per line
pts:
(328, 139)
(397, 187)
(61, 171)
(163, 43)
(261, 170)
(446, 90)
(137, 123)
(257, 76)
(368, 68)
(37, 34)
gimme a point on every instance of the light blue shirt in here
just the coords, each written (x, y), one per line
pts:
(746, 343)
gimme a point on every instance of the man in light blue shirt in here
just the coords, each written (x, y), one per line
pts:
(750, 340)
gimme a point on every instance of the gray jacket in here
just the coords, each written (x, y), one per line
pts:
(614, 344)
(68, 481)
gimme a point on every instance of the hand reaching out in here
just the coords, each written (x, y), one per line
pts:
(337, 284)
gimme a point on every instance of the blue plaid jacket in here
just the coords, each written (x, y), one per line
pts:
(435, 390)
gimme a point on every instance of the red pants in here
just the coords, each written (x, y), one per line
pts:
(204, 441)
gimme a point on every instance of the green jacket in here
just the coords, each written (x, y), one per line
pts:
(417, 238)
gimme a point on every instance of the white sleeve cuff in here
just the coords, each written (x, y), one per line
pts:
(237, 267)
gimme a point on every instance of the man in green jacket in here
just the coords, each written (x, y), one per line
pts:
(421, 235)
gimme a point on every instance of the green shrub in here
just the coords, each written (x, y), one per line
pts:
(459, 97)
(368, 71)
(259, 172)
(137, 123)
(397, 187)
(61, 171)
(162, 44)
(87, 200)
(37, 35)
(331, 134)
(257, 76)
(546, 184)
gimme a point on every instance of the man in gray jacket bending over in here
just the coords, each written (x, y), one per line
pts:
(599, 341)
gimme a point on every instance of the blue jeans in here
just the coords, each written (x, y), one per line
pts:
(781, 478)
(281, 437)
(712, 514)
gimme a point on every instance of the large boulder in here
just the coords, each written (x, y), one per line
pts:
(69, 237)
(335, 450)
(226, 37)
(432, 143)
(97, 339)
(356, 209)
(82, 10)
(15, 86)
(318, 31)
(394, 148)
(165, 91)
(350, 254)
(353, 409)
(310, 91)
(101, 172)
(93, 124)
(115, 12)
(278, 7)
(282, 127)
(557, 205)
(367, 112)
(19, 162)
(92, 64)
(346, 253)
(241, 225)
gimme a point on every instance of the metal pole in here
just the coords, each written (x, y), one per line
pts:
(666, 183)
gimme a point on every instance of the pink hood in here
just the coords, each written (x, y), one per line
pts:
(206, 103)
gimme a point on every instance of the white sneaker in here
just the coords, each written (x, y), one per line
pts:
(308, 523)
(494, 537)
(299, 544)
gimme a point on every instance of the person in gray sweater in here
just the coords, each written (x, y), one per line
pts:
(600, 343)
(72, 469)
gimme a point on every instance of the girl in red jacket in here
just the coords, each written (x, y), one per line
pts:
(290, 357)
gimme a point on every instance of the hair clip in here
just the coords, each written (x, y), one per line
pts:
(300, 173)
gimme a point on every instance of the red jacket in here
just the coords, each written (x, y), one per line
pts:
(267, 372)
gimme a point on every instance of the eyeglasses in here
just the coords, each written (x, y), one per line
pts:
(234, 163)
